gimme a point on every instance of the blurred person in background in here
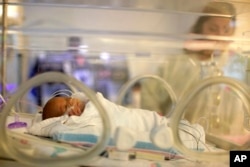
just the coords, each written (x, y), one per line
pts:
(186, 70)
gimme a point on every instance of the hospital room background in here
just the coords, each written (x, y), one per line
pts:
(110, 46)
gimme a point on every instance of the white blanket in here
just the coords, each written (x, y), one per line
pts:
(139, 124)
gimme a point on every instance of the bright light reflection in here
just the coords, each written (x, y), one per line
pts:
(104, 55)
(83, 49)
(12, 11)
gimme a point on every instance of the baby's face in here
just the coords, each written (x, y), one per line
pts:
(70, 106)
(59, 106)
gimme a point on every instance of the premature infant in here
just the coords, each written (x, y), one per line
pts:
(78, 114)
(58, 106)
(79, 106)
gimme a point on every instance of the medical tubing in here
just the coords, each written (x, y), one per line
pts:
(124, 89)
(14, 152)
(238, 87)
(4, 103)
(3, 100)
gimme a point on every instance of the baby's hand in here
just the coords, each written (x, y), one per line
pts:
(74, 102)
(75, 111)
(75, 108)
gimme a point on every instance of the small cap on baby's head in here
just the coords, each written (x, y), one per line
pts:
(52, 109)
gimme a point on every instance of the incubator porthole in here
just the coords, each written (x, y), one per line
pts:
(13, 143)
(224, 128)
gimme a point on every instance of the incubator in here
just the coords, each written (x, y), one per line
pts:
(185, 85)
(15, 144)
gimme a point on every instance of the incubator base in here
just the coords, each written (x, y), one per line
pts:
(10, 163)
(227, 143)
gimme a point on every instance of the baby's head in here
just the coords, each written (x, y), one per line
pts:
(58, 106)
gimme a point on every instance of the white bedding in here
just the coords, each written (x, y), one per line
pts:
(130, 129)
(75, 128)
(39, 147)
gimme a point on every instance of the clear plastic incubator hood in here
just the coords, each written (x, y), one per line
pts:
(178, 68)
